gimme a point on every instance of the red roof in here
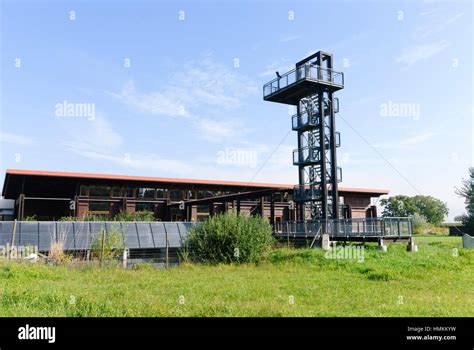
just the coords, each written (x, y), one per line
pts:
(175, 180)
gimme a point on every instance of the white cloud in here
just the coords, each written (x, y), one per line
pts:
(97, 134)
(216, 130)
(199, 84)
(417, 53)
(15, 139)
(98, 140)
(169, 102)
(437, 23)
(429, 12)
(196, 84)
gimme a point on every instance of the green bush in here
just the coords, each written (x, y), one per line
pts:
(143, 215)
(88, 217)
(230, 238)
(107, 245)
(420, 225)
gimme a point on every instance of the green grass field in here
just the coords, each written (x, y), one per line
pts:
(436, 281)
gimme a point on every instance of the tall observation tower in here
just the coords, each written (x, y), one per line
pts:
(310, 87)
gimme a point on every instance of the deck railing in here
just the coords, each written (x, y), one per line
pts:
(364, 227)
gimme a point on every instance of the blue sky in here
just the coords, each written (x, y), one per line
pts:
(175, 85)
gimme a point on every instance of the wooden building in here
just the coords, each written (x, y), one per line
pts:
(50, 195)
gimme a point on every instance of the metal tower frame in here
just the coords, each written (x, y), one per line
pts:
(310, 87)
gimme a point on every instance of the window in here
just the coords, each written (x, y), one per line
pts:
(144, 206)
(117, 192)
(176, 195)
(99, 191)
(145, 192)
(278, 197)
(129, 192)
(160, 193)
(204, 194)
(99, 206)
(202, 209)
(278, 224)
(201, 218)
(83, 191)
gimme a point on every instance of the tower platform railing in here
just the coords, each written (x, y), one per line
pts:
(306, 156)
(304, 121)
(307, 71)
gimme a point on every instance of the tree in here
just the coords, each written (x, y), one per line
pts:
(398, 206)
(467, 192)
(432, 209)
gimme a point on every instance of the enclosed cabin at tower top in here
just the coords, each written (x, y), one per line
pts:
(309, 77)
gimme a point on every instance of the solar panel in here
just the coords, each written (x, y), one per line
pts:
(158, 234)
(173, 234)
(184, 228)
(82, 235)
(46, 232)
(144, 235)
(131, 236)
(79, 235)
(28, 233)
(6, 229)
(65, 234)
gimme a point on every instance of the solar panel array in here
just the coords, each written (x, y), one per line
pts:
(80, 234)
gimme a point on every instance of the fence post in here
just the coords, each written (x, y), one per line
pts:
(13, 239)
(287, 235)
(124, 258)
(166, 245)
(102, 247)
(398, 227)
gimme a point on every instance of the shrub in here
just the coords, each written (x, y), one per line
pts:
(420, 225)
(88, 217)
(107, 245)
(56, 252)
(230, 238)
(143, 215)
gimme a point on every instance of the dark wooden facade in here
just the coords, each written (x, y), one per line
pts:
(51, 195)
